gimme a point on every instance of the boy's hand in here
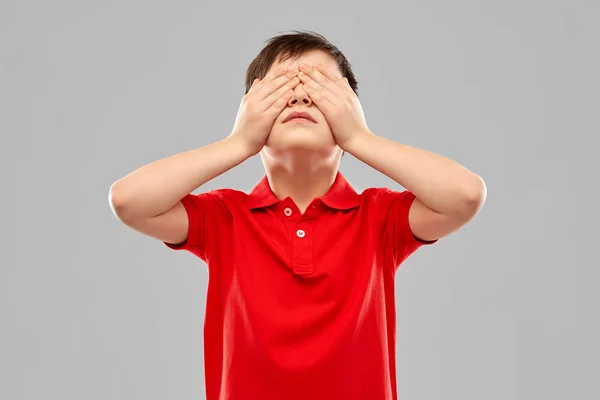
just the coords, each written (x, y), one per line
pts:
(261, 106)
(336, 100)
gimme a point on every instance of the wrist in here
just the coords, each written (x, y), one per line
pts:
(242, 146)
(357, 140)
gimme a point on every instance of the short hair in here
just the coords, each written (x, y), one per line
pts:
(293, 45)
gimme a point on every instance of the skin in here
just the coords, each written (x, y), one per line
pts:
(300, 159)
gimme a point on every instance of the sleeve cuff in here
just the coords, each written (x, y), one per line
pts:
(408, 236)
(194, 237)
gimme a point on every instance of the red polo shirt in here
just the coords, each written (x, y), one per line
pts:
(300, 306)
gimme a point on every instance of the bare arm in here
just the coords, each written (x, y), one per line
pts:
(149, 198)
(447, 194)
(155, 188)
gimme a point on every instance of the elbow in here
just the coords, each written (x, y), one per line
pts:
(117, 201)
(475, 195)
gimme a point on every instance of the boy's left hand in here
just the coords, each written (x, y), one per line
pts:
(337, 101)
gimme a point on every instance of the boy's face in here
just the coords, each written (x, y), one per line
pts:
(295, 135)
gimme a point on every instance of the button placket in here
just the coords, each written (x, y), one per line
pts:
(302, 260)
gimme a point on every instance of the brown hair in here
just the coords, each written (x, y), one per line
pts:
(292, 46)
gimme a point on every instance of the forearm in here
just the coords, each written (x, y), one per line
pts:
(156, 187)
(441, 184)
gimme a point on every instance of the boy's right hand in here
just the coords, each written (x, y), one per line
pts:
(261, 106)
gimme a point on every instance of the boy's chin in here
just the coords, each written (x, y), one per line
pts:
(301, 140)
(301, 145)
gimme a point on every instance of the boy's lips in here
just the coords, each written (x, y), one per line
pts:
(302, 120)
(298, 114)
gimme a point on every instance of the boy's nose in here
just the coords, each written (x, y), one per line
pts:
(299, 95)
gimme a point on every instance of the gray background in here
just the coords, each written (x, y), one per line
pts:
(506, 308)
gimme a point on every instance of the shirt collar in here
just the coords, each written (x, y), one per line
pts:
(341, 195)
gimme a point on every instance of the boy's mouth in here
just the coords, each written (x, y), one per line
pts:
(298, 116)
(300, 119)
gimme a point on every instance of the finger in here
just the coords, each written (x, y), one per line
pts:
(273, 74)
(347, 83)
(329, 74)
(325, 79)
(279, 103)
(254, 83)
(320, 98)
(316, 91)
(271, 87)
(281, 91)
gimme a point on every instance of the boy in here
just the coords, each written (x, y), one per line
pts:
(300, 301)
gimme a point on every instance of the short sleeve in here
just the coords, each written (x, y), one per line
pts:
(400, 237)
(204, 212)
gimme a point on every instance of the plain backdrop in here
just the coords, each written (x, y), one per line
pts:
(506, 308)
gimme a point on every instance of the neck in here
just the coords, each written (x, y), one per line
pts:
(300, 180)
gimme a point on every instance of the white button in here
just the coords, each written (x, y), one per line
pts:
(287, 211)
(300, 233)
